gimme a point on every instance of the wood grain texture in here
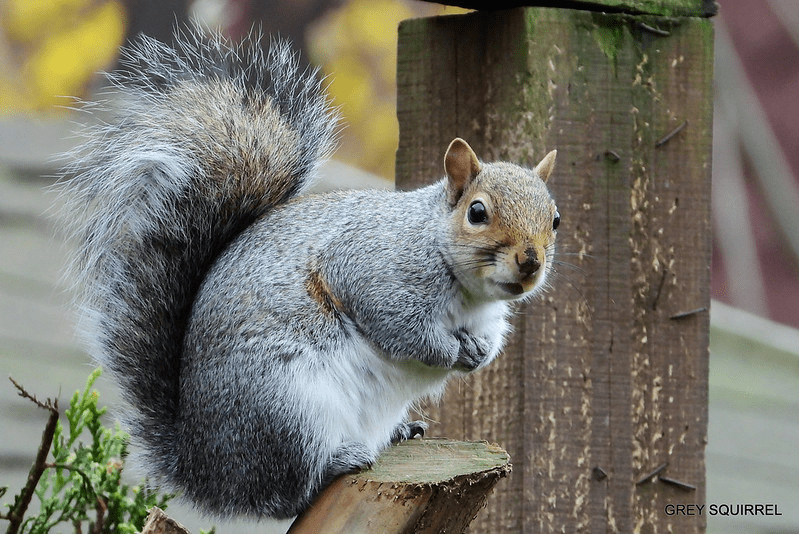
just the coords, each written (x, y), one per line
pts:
(597, 374)
(419, 486)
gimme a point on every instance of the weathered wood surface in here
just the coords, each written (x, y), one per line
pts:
(419, 486)
(604, 379)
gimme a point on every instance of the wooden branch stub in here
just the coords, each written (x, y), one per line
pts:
(420, 486)
(160, 523)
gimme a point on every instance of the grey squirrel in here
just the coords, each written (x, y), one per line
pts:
(265, 340)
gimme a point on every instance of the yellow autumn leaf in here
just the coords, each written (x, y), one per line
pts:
(63, 62)
(26, 21)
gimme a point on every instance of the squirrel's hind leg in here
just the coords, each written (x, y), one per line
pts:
(353, 456)
(350, 457)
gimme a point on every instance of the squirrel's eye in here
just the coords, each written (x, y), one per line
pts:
(477, 213)
(556, 220)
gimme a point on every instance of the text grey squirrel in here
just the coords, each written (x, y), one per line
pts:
(267, 340)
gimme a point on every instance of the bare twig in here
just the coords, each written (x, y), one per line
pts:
(47, 405)
(17, 511)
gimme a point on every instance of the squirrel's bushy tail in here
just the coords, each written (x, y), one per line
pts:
(208, 137)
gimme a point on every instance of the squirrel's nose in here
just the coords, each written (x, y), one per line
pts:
(528, 264)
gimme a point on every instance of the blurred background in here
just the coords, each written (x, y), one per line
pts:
(53, 50)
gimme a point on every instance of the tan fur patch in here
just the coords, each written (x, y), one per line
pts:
(319, 291)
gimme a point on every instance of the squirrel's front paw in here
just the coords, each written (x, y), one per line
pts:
(473, 351)
(408, 430)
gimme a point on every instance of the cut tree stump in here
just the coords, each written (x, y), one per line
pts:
(420, 486)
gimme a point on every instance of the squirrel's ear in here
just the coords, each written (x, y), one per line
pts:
(545, 166)
(461, 165)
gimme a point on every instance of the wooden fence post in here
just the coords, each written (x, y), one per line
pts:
(601, 396)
